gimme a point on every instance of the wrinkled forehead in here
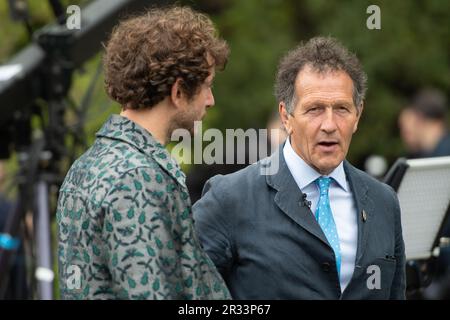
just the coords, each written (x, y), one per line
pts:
(327, 85)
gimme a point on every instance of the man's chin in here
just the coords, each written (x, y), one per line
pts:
(327, 167)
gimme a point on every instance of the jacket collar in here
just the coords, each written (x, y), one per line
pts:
(125, 130)
(289, 197)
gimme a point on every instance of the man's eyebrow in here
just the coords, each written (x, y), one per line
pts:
(342, 103)
(334, 104)
(315, 104)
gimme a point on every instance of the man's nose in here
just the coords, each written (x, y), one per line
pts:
(210, 101)
(328, 122)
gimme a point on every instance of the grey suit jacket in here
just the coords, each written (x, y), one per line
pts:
(267, 244)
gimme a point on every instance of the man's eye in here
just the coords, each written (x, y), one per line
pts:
(342, 109)
(314, 110)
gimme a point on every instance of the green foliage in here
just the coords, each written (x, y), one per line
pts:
(410, 51)
(257, 32)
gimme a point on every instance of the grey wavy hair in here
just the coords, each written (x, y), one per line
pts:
(322, 54)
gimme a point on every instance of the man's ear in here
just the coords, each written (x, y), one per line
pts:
(360, 111)
(284, 115)
(177, 95)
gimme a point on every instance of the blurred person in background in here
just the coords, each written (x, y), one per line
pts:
(423, 127)
(124, 214)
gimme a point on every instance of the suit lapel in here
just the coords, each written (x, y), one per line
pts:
(364, 208)
(289, 197)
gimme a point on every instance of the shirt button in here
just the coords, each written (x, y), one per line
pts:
(326, 266)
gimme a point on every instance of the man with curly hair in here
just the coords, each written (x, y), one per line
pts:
(124, 213)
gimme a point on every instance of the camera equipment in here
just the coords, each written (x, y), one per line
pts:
(36, 81)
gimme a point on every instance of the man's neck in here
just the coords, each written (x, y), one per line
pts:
(155, 120)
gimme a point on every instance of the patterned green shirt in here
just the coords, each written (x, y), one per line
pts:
(125, 224)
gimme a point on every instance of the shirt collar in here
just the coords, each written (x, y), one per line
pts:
(121, 128)
(304, 174)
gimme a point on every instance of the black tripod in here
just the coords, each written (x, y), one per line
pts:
(38, 172)
(33, 197)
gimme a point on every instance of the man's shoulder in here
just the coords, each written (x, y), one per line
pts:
(443, 147)
(104, 164)
(374, 186)
(241, 179)
(119, 155)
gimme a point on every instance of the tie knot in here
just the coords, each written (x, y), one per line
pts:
(324, 184)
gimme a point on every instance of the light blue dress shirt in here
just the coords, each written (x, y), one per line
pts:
(342, 206)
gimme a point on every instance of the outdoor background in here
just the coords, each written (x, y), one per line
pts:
(411, 51)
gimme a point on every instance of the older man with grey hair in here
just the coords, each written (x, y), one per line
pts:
(317, 227)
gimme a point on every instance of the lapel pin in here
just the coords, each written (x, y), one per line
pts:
(364, 216)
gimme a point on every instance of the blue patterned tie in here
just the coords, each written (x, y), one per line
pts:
(324, 217)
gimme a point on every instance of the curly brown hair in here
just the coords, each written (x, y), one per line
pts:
(146, 54)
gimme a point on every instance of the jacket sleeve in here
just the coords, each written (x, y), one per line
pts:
(213, 225)
(398, 288)
(142, 246)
